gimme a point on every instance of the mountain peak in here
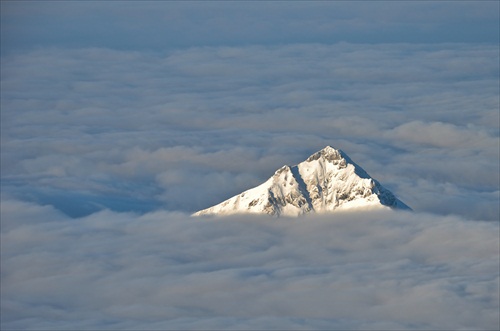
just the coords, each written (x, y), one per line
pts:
(329, 150)
(329, 154)
(326, 181)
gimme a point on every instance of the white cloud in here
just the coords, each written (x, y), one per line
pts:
(95, 133)
(438, 134)
(193, 127)
(164, 270)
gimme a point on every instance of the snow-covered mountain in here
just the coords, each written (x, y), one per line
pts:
(327, 181)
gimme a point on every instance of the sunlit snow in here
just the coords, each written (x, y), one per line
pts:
(328, 180)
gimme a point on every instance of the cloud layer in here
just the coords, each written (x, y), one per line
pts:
(119, 120)
(164, 270)
(87, 129)
(95, 140)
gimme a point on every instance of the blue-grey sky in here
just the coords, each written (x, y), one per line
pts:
(158, 25)
(120, 118)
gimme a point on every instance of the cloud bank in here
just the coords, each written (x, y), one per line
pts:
(166, 270)
(90, 129)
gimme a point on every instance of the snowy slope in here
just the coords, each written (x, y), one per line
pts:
(327, 181)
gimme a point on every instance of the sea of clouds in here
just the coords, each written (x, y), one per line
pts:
(166, 270)
(106, 153)
(95, 128)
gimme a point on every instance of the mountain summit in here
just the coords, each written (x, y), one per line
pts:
(327, 181)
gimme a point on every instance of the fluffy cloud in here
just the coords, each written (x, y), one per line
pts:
(92, 128)
(438, 134)
(105, 153)
(164, 270)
